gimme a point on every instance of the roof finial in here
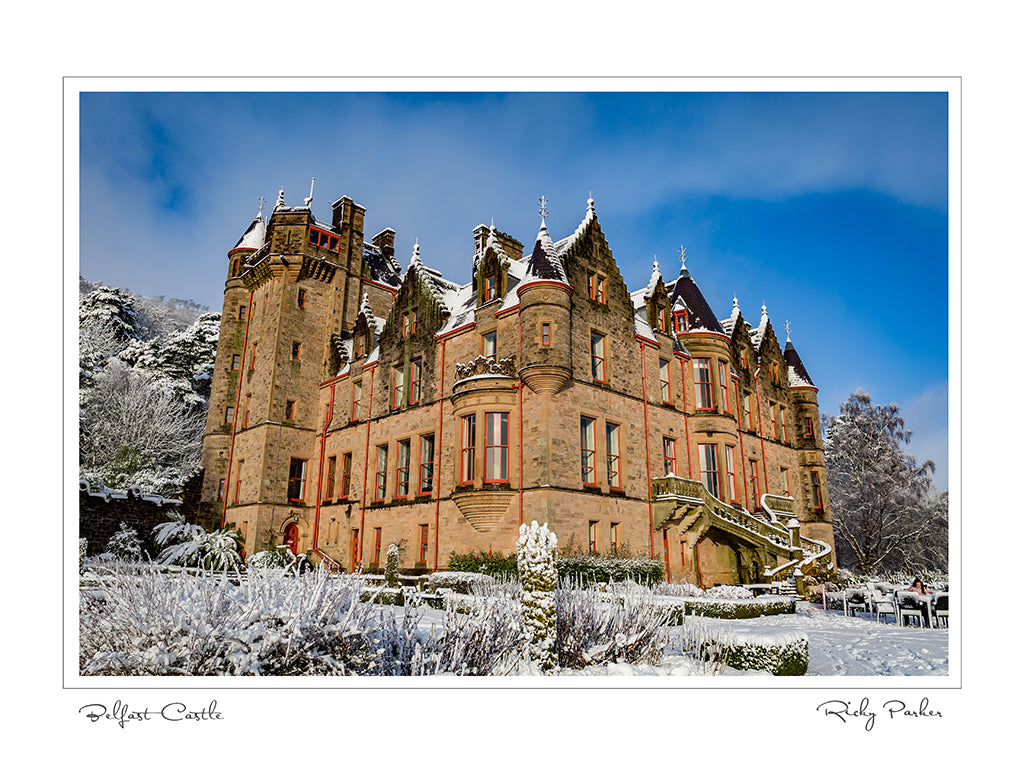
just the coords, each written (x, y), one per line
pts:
(416, 252)
(590, 204)
(735, 301)
(543, 209)
(280, 198)
(682, 256)
(260, 215)
(787, 331)
(764, 309)
(309, 199)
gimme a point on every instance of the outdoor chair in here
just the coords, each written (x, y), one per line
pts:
(855, 600)
(942, 608)
(912, 605)
(884, 605)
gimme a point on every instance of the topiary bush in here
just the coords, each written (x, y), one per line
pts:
(589, 569)
(497, 565)
(535, 558)
(783, 655)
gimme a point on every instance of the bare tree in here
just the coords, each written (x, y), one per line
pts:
(885, 513)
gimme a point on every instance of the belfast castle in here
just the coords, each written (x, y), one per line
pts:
(357, 403)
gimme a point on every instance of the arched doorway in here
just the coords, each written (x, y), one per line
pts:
(291, 538)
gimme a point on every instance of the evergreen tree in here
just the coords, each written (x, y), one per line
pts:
(535, 559)
(885, 512)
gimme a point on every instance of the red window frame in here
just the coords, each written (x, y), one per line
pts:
(323, 239)
(380, 482)
(702, 388)
(491, 286)
(668, 450)
(245, 418)
(545, 334)
(242, 311)
(496, 447)
(730, 472)
(613, 536)
(664, 546)
(302, 298)
(289, 409)
(816, 497)
(467, 464)
(376, 544)
(360, 345)
(424, 542)
(784, 477)
(425, 482)
(220, 488)
(296, 350)
(332, 470)
(403, 459)
(600, 290)
(708, 456)
(229, 415)
(346, 476)
(236, 362)
(723, 385)
(357, 399)
(666, 384)
(297, 479)
(597, 357)
(397, 387)
(592, 536)
(405, 325)
(588, 450)
(782, 420)
(808, 427)
(252, 360)
(754, 502)
(238, 479)
(416, 381)
(591, 286)
(489, 340)
(355, 549)
(773, 425)
(612, 448)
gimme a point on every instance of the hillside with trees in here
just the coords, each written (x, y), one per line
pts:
(145, 366)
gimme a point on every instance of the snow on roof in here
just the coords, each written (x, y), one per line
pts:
(701, 318)
(642, 328)
(798, 376)
(757, 334)
(462, 305)
(729, 324)
(383, 268)
(653, 282)
(253, 237)
(545, 263)
(563, 245)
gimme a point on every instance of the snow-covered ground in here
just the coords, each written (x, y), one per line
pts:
(839, 645)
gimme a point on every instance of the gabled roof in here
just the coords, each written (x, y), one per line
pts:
(701, 318)
(383, 269)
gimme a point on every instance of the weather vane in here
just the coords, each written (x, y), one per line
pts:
(787, 331)
(543, 207)
(261, 206)
(682, 255)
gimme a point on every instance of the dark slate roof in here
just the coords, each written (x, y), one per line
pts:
(382, 268)
(798, 376)
(701, 316)
(544, 263)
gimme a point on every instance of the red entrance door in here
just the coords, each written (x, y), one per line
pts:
(291, 538)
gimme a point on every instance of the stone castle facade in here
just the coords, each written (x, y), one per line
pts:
(356, 404)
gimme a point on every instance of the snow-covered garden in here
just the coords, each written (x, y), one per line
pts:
(149, 619)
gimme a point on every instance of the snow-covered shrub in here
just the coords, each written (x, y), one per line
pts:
(391, 566)
(125, 545)
(280, 557)
(467, 583)
(598, 568)
(725, 608)
(700, 643)
(183, 543)
(535, 559)
(617, 624)
(83, 548)
(684, 589)
(729, 592)
(780, 654)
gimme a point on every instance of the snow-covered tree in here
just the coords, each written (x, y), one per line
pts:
(183, 543)
(391, 566)
(135, 431)
(535, 560)
(125, 545)
(885, 513)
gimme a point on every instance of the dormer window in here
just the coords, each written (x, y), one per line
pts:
(360, 345)
(323, 239)
(491, 287)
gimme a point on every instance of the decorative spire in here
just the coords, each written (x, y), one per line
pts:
(543, 210)
(787, 331)
(309, 199)
(590, 205)
(260, 214)
(415, 253)
(682, 257)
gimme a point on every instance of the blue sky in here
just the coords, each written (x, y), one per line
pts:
(830, 207)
